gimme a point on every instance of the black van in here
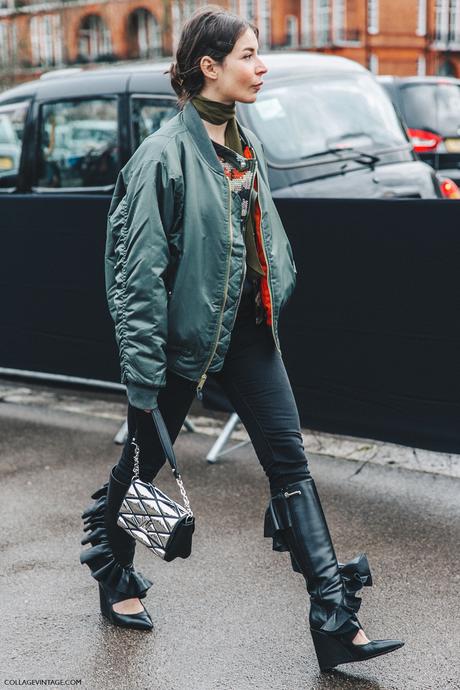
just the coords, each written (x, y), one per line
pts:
(430, 107)
(328, 129)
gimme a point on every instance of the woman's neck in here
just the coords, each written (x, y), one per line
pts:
(216, 132)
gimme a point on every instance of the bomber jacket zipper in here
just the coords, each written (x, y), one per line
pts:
(268, 273)
(241, 290)
(203, 375)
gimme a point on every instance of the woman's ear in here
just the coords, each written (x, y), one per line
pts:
(208, 67)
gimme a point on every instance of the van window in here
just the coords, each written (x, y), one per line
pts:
(78, 144)
(12, 119)
(149, 114)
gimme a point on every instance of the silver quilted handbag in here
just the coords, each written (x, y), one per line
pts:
(164, 526)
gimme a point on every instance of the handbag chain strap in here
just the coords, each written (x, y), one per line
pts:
(178, 477)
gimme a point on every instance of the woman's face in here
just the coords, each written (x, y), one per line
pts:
(239, 77)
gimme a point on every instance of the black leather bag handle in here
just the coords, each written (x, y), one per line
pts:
(165, 440)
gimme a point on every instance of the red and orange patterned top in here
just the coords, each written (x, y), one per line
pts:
(242, 176)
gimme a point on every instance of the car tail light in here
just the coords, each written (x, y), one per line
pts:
(423, 140)
(449, 189)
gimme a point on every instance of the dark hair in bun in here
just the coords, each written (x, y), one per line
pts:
(209, 31)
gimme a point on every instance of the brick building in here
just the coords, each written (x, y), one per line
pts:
(388, 36)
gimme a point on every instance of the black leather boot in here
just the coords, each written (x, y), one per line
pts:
(110, 558)
(296, 522)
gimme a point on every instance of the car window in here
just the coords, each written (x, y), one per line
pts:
(303, 118)
(78, 143)
(12, 119)
(149, 114)
(434, 107)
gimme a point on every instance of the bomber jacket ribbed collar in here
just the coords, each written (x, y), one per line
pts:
(195, 126)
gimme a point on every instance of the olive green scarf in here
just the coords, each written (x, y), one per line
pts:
(217, 113)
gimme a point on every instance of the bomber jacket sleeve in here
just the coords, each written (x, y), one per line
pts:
(136, 261)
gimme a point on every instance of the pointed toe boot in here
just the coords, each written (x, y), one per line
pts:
(138, 621)
(110, 557)
(296, 522)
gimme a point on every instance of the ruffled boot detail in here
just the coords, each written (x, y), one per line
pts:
(110, 557)
(295, 521)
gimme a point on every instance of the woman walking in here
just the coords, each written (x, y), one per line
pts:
(198, 268)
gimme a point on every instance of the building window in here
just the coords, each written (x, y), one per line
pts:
(339, 20)
(265, 25)
(175, 24)
(441, 20)
(373, 63)
(292, 31)
(421, 18)
(5, 56)
(144, 36)
(248, 10)
(454, 28)
(251, 11)
(94, 39)
(188, 8)
(306, 23)
(421, 66)
(323, 22)
(447, 22)
(45, 39)
(373, 16)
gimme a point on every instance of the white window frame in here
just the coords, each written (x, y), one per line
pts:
(35, 40)
(374, 63)
(306, 23)
(292, 31)
(175, 24)
(99, 41)
(188, 8)
(441, 22)
(421, 18)
(46, 39)
(454, 22)
(265, 25)
(148, 33)
(339, 13)
(251, 11)
(421, 66)
(5, 44)
(322, 22)
(373, 16)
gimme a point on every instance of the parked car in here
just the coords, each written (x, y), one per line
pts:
(430, 106)
(327, 126)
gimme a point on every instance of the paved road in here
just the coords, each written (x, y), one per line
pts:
(233, 616)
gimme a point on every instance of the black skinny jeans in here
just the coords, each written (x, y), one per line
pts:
(256, 383)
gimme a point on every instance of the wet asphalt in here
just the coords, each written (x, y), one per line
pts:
(232, 616)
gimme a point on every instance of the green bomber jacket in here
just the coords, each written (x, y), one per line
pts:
(175, 257)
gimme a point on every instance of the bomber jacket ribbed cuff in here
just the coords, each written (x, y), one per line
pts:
(143, 397)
